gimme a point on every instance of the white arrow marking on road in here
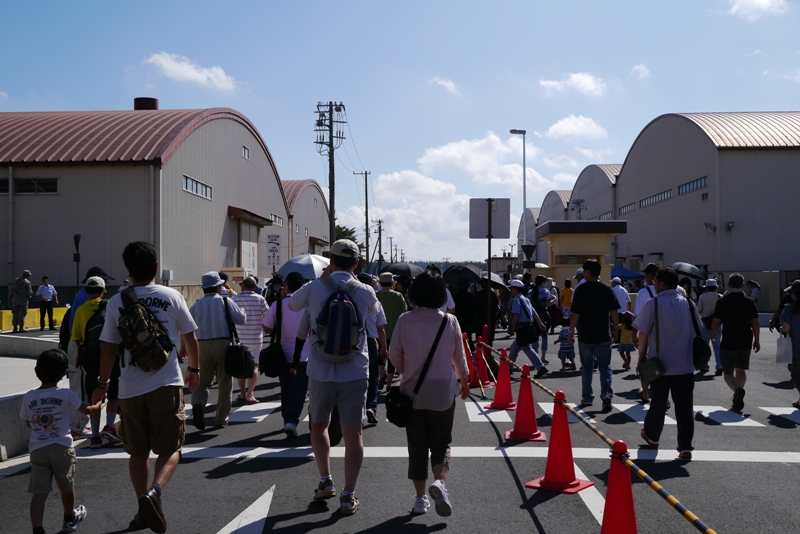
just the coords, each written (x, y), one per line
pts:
(252, 520)
(253, 413)
(725, 417)
(638, 411)
(792, 414)
(592, 498)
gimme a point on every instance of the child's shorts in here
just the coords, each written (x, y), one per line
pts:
(566, 355)
(52, 461)
(627, 347)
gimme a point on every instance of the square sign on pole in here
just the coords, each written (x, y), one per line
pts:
(479, 218)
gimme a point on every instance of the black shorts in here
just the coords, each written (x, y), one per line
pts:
(90, 381)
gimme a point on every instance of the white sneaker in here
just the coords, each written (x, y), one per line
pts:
(438, 493)
(421, 505)
(78, 515)
(290, 429)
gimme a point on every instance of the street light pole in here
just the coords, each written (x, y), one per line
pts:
(524, 189)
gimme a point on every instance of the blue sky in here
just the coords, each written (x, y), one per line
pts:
(431, 89)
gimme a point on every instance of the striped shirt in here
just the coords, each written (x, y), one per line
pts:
(255, 307)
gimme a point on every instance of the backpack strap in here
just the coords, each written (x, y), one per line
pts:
(430, 355)
(234, 337)
(276, 332)
(129, 297)
(694, 319)
(648, 291)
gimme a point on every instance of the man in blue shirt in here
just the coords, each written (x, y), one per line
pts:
(523, 316)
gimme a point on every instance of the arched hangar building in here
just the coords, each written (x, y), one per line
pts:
(200, 184)
(712, 189)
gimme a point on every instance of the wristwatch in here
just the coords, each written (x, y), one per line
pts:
(102, 385)
(192, 369)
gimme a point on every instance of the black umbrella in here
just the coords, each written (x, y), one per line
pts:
(403, 269)
(497, 282)
(460, 275)
(687, 269)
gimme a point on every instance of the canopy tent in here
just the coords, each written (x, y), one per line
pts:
(618, 271)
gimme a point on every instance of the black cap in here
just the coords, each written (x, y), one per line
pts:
(223, 276)
(55, 359)
(97, 271)
(794, 288)
(651, 268)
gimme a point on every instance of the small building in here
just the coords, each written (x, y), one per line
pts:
(308, 217)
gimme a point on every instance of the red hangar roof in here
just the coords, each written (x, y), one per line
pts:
(140, 136)
(294, 188)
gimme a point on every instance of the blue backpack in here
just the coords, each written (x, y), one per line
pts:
(339, 325)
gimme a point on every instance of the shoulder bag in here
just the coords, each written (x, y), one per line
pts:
(652, 368)
(399, 405)
(527, 333)
(239, 363)
(272, 360)
(701, 352)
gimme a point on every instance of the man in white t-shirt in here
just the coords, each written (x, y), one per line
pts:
(622, 295)
(151, 402)
(337, 384)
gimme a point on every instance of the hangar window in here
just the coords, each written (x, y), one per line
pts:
(694, 185)
(297, 228)
(276, 219)
(704, 197)
(655, 199)
(628, 208)
(245, 152)
(31, 186)
(306, 232)
(315, 202)
(605, 216)
(197, 188)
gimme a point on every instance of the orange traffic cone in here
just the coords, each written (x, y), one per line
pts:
(619, 516)
(559, 474)
(486, 334)
(503, 399)
(525, 427)
(481, 364)
(473, 375)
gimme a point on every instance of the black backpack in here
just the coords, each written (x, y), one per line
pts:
(91, 347)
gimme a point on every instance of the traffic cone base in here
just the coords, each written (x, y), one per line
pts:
(569, 488)
(525, 436)
(503, 398)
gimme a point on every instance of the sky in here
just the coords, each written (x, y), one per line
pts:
(431, 89)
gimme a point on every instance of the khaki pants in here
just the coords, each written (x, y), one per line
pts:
(18, 313)
(77, 420)
(212, 360)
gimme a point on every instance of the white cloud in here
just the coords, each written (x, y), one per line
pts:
(596, 156)
(447, 84)
(753, 9)
(182, 69)
(576, 127)
(640, 71)
(3, 94)
(581, 82)
(794, 77)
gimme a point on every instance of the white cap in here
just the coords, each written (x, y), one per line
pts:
(616, 279)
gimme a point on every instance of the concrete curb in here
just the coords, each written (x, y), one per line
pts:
(24, 347)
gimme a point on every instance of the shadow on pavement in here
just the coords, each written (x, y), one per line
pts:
(786, 384)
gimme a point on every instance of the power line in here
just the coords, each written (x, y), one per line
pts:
(353, 141)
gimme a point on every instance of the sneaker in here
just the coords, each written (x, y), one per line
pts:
(80, 434)
(199, 416)
(150, 506)
(41, 329)
(290, 429)
(545, 361)
(326, 490)
(139, 520)
(541, 372)
(348, 504)
(438, 493)
(685, 455)
(563, 369)
(78, 515)
(371, 417)
(649, 441)
(110, 433)
(606, 404)
(718, 372)
(585, 403)
(421, 505)
(95, 442)
(738, 400)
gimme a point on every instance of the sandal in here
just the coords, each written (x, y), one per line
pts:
(796, 404)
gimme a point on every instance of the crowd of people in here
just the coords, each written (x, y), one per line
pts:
(411, 329)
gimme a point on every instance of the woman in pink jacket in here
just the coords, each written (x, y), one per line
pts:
(431, 425)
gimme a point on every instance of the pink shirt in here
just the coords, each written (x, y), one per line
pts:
(290, 322)
(412, 339)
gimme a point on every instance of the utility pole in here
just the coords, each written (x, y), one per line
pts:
(395, 253)
(402, 255)
(391, 260)
(380, 247)
(366, 215)
(328, 140)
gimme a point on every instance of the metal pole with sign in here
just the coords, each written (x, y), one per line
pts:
(489, 218)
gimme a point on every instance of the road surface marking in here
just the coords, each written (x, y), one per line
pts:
(253, 413)
(592, 498)
(252, 520)
(638, 411)
(720, 415)
(478, 414)
(548, 408)
(792, 414)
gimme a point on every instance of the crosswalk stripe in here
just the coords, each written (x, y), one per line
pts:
(253, 413)
(540, 452)
(548, 408)
(638, 411)
(252, 519)
(478, 414)
(720, 415)
(592, 498)
(792, 414)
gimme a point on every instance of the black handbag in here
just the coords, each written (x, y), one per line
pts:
(239, 363)
(272, 359)
(527, 333)
(652, 369)
(398, 404)
(701, 352)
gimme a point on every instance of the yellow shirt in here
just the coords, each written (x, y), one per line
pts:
(626, 335)
(566, 297)
(82, 316)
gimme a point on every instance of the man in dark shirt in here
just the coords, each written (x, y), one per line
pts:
(775, 322)
(592, 303)
(739, 317)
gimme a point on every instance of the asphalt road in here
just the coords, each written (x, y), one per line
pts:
(742, 478)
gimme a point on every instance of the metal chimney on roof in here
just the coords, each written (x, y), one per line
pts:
(145, 102)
